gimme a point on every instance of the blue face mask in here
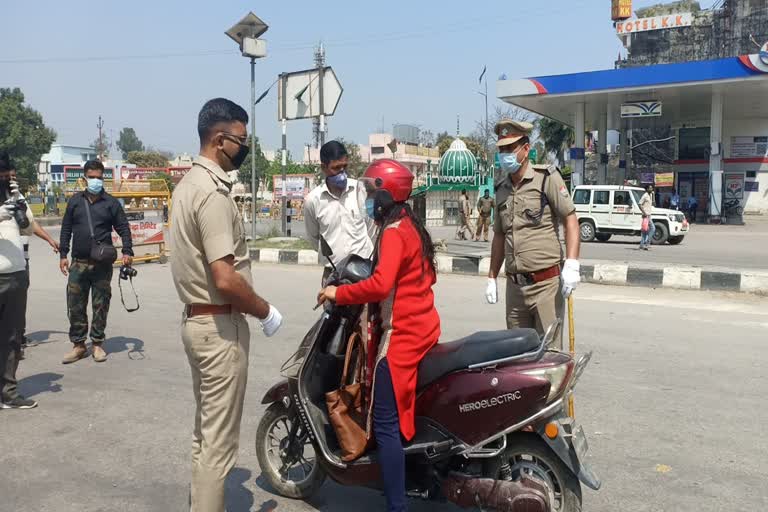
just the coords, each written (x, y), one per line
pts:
(95, 185)
(508, 163)
(369, 210)
(338, 181)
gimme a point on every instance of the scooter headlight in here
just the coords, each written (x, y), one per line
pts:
(555, 375)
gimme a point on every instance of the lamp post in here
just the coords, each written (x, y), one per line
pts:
(246, 34)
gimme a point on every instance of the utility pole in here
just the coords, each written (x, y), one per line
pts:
(318, 122)
(100, 149)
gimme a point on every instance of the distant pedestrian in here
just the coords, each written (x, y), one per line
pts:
(646, 208)
(465, 210)
(485, 207)
(693, 205)
(335, 211)
(88, 222)
(674, 201)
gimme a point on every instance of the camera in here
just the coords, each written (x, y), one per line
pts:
(127, 272)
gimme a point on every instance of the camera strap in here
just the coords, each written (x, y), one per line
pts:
(120, 286)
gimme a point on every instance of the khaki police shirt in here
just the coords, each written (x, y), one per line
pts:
(485, 206)
(205, 226)
(528, 246)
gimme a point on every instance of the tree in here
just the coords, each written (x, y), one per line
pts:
(101, 146)
(147, 159)
(541, 152)
(556, 136)
(129, 141)
(442, 136)
(473, 144)
(262, 164)
(23, 135)
(163, 176)
(484, 132)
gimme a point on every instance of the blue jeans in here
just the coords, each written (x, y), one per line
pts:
(647, 236)
(386, 428)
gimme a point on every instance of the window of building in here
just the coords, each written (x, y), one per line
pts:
(693, 143)
(600, 197)
(377, 150)
(581, 196)
(621, 198)
(751, 174)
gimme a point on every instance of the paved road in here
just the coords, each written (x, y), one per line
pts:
(739, 247)
(673, 402)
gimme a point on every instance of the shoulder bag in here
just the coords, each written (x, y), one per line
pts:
(345, 406)
(101, 252)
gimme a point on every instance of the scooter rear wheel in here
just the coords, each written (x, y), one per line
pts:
(530, 455)
(290, 466)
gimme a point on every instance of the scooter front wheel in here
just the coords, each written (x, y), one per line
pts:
(286, 455)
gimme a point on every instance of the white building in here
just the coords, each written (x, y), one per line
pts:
(50, 170)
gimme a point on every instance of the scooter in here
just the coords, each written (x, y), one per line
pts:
(492, 431)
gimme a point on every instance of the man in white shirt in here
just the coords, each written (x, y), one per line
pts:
(15, 219)
(335, 209)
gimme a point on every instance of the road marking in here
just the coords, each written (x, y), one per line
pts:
(707, 301)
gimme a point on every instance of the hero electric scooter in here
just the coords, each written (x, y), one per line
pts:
(492, 431)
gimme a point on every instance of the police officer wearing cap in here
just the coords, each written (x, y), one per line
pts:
(532, 203)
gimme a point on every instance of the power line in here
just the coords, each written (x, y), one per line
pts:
(451, 28)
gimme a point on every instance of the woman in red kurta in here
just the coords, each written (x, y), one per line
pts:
(401, 287)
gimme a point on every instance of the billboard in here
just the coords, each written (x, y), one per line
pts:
(146, 227)
(621, 10)
(74, 172)
(296, 186)
(655, 23)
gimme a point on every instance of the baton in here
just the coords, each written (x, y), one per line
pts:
(571, 347)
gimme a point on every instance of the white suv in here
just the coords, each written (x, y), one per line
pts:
(605, 210)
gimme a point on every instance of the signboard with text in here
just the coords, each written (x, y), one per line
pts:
(621, 9)
(665, 179)
(734, 185)
(296, 186)
(72, 173)
(146, 227)
(749, 147)
(655, 23)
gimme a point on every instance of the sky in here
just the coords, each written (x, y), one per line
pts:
(151, 65)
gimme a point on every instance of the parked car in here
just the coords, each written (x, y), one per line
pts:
(607, 210)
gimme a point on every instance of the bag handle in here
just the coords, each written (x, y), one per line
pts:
(88, 213)
(353, 341)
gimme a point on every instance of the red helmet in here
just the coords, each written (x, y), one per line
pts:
(390, 175)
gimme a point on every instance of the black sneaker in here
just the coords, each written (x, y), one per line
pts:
(19, 403)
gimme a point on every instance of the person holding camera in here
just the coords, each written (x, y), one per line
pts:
(15, 220)
(88, 222)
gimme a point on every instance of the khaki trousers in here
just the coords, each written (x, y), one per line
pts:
(536, 306)
(483, 223)
(217, 349)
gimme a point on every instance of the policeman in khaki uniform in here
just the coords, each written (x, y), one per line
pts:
(532, 202)
(485, 206)
(212, 274)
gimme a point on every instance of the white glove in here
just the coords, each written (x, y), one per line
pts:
(6, 212)
(492, 291)
(14, 189)
(272, 323)
(571, 276)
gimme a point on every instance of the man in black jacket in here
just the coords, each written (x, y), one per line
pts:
(86, 274)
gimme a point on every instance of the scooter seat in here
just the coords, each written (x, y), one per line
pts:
(480, 347)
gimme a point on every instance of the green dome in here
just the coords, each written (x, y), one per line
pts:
(458, 164)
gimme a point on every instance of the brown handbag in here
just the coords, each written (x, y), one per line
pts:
(346, 406)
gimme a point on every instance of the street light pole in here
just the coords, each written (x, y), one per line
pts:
(254, 178)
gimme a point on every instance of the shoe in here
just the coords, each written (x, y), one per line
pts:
(645, 248)
(78, 352)
(19, 403)
(98, 353)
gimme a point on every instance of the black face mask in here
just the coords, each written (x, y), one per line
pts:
(238, 158)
